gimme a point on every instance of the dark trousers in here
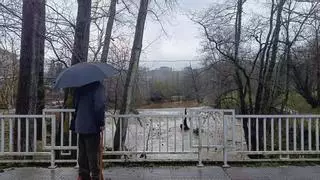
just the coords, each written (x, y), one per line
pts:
(89, 151)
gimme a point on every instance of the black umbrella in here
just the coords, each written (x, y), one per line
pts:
(84, 73)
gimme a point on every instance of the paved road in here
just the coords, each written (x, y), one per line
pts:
(167, 173)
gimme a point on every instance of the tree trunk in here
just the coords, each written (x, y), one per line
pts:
(317, 60)
(263, 59)
(266, 101)
(40, 66)
(107, 38)
(303, 83)
(81, 40)
(131, 75)
(79, 54)
(195, 84)
(31, 60)
(287, 55)
(82, 30)
(237, 76)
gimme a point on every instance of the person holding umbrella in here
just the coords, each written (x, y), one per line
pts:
(89, 123)
(89, 119)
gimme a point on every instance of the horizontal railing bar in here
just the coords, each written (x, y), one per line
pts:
(26, 116)
(278, 116)
(26, 161)
(202, 110)
(23, 153)
(132, 160)
(193, 110)
(48, 148)
(150, 160)
(146, 152)
(62, 147)
(211, 110)
(276, 160)
(163, 160)
(121, 115)
(208, 146)
(151, 116)
(58, 110)
(278, 152)
(65, 154)
(123, 152)
(65, 160)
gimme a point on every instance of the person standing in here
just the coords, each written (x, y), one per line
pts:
(89, 122)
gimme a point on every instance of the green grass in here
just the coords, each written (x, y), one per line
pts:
(230, 101)
(298, 103)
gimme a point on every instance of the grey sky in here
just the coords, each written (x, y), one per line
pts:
(182, 44)
(183, 40)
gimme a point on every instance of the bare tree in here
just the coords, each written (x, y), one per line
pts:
(220, 41)
(259, 55)
(60, 31)
(294, 24)
(31, 58)
(306, 65)
(131, 74)
(82, 32)
(112, 13)
(266, 101)
(193, 76)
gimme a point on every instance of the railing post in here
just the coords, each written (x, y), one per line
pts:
(53, 142)
(234, 122)
(2, 135)
(200, 164)
(77, 165)
(225, 134)
(44, 129)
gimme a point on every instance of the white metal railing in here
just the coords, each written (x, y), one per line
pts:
(216, 131)
(62, 124)
(19, 138)
(159, 137)
(62, 140)
(283, 135)
(154, 134)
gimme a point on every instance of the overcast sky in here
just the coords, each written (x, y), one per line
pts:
(182, 44)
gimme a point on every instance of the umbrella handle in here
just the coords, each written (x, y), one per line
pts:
(101, 155)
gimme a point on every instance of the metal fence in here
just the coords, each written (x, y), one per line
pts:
(148, 137)
(19, 142)
(154, 137)
(281, 137)
(216, 133)
(213, 135)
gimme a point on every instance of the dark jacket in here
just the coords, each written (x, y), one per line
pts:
(90, 108)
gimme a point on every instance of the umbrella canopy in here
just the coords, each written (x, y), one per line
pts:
(84, 73)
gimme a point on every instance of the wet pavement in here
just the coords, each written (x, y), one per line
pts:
(166, 173)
